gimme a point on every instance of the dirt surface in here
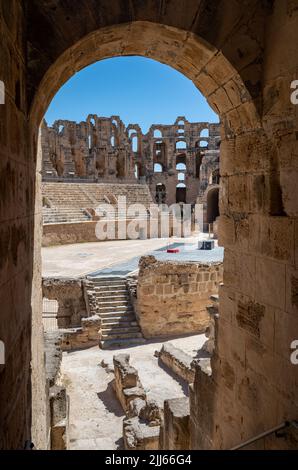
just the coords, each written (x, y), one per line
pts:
(95, 413)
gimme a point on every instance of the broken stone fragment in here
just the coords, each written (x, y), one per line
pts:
(151, 413)
(135, 407)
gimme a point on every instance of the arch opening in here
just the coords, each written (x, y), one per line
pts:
(212, 205)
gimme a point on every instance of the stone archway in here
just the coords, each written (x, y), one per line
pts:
(189, 54)
(228, 54)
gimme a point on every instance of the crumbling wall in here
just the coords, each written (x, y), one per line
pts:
(22, 377)
(177, 361)
(57, 398)
(101, 149)
(172, 296)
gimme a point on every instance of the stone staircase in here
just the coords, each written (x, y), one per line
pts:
(108, 298)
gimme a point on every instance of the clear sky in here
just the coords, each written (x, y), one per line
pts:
(137, 89)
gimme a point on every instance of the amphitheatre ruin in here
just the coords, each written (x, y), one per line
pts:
(149, 280)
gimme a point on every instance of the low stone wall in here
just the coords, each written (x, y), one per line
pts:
(69, 294)
(78, 232)
(172, 297)
(83, 337)
(177, 361)
(62, 234)
(141, 426)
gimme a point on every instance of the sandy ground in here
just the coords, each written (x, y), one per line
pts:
(95, 413)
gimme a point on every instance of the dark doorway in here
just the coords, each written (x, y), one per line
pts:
(180, 193)
(212, 205)
(160, 193)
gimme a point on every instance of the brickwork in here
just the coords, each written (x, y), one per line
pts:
(172, 297)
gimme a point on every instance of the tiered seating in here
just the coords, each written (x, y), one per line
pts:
(67, 202)
(53, 215)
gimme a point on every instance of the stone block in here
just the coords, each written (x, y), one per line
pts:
(177, 361)
(139, 436)
(270, 283)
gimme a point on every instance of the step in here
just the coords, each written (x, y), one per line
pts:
(111, 307)
(112, 296)
(112, 301)
(120, 343)
(121, 329)
(107, 282)
(118, 323)
(112, 288)
(114, 311)
(126, 316)
(116, 335)
(114, 306)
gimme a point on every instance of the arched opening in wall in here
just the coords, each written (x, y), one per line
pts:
(180, 193)
(157, 134)
(212, 205)
(160, 193)
(181, 167)
(181, 145)
(113, 141)
(181, 188)
(181, 176)
(159, 152)
(135, 144)
(137, 171)
(199, 158)
(204, 133)
(203, 144)
(157, 168)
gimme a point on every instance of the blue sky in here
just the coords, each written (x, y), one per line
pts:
(137, 89)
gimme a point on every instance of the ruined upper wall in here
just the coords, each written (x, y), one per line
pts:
(103, 148)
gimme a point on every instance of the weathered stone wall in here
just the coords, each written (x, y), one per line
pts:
(57, 398)
(19, 249)
(64, 233)
(177, 361)
(172, 296)
(253, 386)
(175, 431)
(69, 294)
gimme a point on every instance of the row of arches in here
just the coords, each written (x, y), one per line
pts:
(158, 134)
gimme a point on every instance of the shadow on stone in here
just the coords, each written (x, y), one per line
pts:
(110, 401)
